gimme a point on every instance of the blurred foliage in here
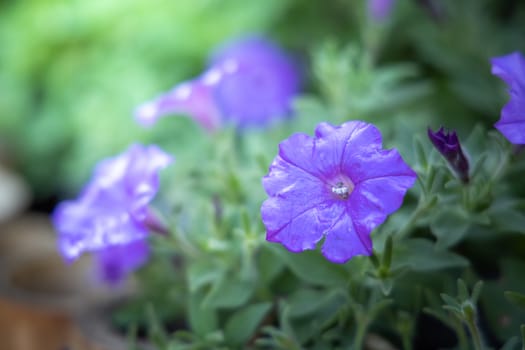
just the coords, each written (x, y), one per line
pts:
(72, 72)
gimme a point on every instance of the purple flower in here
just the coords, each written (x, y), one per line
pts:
(447, 143)
(110, 214)
(193, 98)
(250, 82)
(511, 69)
(339, 185)
(116, 262)
(379, 10)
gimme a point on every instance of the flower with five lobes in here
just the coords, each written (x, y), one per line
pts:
(511, 69)
(340, 184)
(249, 82)
(110, 216)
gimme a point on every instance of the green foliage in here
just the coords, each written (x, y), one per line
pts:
(72, 73)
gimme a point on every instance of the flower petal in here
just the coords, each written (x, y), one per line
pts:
(512, 122)
(253, 81)
(116, 262)
(285, 177)
(343, 242)
(298, 150)
(301, 231)
(373, 200)
(363, 165)
(193, 98)
(511, 69)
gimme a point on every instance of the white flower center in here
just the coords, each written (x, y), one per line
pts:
(341, 190)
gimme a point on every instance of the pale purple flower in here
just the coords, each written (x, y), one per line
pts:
(111, 212)
(192, 98)
(339, 184)
(250, 82)
(116, 262)
(447, 143)
(253, 82)
(380, 10)
(511, 69)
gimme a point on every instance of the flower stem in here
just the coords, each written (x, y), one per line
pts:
(362, 325)
(406, 340)
(475, 333)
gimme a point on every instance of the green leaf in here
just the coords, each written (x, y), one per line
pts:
(504, 317)
(202, 273)
(387, 253)
(243, 323)
(508, 216)
(306, 301)
(421, 255)
(511, 344)
(476, 291)
(202, 320)
(312, 267)
(516, 298)
(463, 294)
(229, 292)
(269, 264)
(449, 226)
(421, 157)
(450, 301)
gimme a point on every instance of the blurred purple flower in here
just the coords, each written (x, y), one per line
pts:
(511, 69)
(116, 262)
(110, 214)
(379, 10)
(193, 98)
(339, 185)
(447, 143)
(249, 82)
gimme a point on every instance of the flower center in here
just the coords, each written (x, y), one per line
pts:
(342, 190)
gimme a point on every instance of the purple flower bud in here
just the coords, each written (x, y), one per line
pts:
(110, 214)
(250, 82)
(511, 69)
(340, 184)
(447, 143)
(379, 10)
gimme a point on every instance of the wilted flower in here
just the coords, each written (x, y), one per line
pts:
(447, 143)
(339, 185)
(379, 10)
(511, 69)
(248, 83)
(109, 215)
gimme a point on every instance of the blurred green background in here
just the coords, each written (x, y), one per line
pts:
(71, 72)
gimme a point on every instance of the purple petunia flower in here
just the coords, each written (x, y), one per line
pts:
(193, 98)
(339, 185)
(511, 69)
(250, 82)
(447, 143)
(379, 10)
(116, 262)
(109, 216)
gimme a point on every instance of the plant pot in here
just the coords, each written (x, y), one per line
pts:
(42, 297)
